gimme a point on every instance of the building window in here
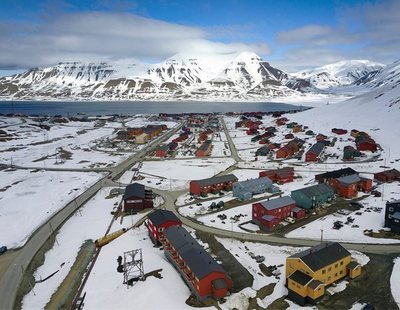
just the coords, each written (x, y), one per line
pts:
(323, 271)
(341, 271)
(330, 268)
(341, 263)
(336, 275)
(336, 265)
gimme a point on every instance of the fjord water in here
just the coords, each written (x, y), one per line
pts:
(137, 107)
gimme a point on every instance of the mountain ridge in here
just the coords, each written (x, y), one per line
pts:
(242, 76)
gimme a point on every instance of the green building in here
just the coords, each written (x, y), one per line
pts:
(313, 196)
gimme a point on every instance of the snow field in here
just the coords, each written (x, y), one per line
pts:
(24, 199)
(90, 222)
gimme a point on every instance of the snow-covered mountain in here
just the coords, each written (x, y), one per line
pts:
(339, 74)
(240, 76)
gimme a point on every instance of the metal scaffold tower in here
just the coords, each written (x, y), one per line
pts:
(133, 267)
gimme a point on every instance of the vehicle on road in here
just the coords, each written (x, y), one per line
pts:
(3, 249)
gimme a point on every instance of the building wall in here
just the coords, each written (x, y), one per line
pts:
(194, 188)
(317, 293)
(302, 200)
(310, 156)
(133, 203)
(297, 288)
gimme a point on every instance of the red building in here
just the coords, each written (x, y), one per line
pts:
(203, 136)
(287, 150)
(387, 176)
(349, 186)
(315, 152)
(162, 150)
(281, 121)
(212, 185)
(267, 214)
(137, 198)
(204, 149)
(158, 221)
(339, 131)
(366, 143)
(298, 213)
(280, 176)
(320, 137)
(201, 273)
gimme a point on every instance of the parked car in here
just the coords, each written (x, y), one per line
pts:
(3, 249)
(259, 258)
(290, 220)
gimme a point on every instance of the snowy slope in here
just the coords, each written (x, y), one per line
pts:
(339, 74)
(236, 76)
(377, 112)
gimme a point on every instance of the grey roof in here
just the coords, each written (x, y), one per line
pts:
(267, 217)
(315, 190)
(134, 189)
(194, 255)
(215, 180)
(322, 255)
(396, 215)
(395, 202)
(297, 209)
(159, 217)
(353, 265)
(250, 184)
(277, 203)
(317, 148)
(314, 284)
(300, 277)
(350, 179)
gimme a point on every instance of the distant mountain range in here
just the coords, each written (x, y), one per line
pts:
(339, 74)
(244, 76)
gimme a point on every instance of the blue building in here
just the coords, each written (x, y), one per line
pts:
(246, 189)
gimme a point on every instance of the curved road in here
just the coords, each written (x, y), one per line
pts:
(169, 203)
(11, 279)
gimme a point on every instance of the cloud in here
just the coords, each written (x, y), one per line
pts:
(367, 31)
(102, 36)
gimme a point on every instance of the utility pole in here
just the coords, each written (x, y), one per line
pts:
(322, 235)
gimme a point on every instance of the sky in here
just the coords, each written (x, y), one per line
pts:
(291, 35)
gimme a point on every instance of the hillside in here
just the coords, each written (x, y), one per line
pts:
(377, 111)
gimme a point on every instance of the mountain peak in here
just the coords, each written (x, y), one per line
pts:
(247, 56)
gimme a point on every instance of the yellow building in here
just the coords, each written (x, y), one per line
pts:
(142, 138)
(310, 271)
